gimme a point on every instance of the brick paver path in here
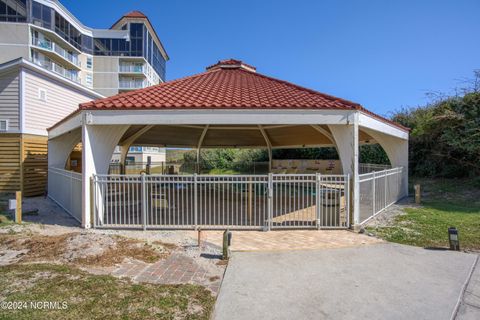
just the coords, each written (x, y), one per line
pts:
(175, 269)
(291, 239)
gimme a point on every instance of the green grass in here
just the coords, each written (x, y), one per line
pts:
(5, 219)
(90, 296)
(223, 171)
(445, 203)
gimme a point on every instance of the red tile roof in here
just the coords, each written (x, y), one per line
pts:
(229, 84)
(132, 14)
(231, 63)
(135, 14)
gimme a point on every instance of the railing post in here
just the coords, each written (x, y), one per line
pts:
(195, 201)
(144, 202)
(385, 191)
(70, 202)
(347, 202)
(373, 194)
(93, 193)
(317, 199)
(270, 202)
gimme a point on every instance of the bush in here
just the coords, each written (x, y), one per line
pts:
(445, 137)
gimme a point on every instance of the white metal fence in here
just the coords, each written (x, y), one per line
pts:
(65, 188)
(371, 167)
(221, 201)
(378, 190)
(273, 201)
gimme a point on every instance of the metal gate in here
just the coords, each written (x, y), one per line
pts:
(221, 201)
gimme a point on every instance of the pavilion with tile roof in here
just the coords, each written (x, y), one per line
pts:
(228, 105)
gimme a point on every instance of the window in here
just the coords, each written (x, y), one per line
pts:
(47, 17)
(36, 10)
(13, 10)
(87, 44)
(3, 125)
(89, 62)
(111, 47)
(136, 39)
(41, 15)
(67, 31)
(88, 78)
(42, 94)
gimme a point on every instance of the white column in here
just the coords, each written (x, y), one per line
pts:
(397, 152)
(59, 148)
(269, 147)
(98, 145)
(346, 139)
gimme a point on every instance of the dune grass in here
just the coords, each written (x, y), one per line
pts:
(445, 203)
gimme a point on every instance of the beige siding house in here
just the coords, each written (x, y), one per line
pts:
(31, 100)
(9, 101)
(47, 102)
(50, 62)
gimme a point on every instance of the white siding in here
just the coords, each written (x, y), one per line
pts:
(60, 102)
(9, 100)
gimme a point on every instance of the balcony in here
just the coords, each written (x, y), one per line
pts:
(43, 43)
(132, 84)
(55, 51)
(131, 68)
(52, 66)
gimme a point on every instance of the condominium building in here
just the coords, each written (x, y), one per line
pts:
(50, 63)
(140, 155)
(127, 56)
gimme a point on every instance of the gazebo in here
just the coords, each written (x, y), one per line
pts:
(228, 105)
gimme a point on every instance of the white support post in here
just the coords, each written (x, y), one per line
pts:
(199, 146)
(195, 201)
(269, 147)
(324, 132)
(397, 152)
(59, 148)
(270, 203)
(144, 202)
(355, 164)
(98, 143)
(346, 139)
(125, 146)
(317, 200)
(88, 170)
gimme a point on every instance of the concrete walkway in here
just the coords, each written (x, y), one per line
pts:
(470, 306)
(378, 281)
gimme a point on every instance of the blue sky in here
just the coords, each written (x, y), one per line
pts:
(382, 54)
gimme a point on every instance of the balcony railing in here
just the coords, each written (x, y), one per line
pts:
(131, 68)
(65, 54)
(51, 46)
(44, 44)
(132, 84)
(49, 65)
